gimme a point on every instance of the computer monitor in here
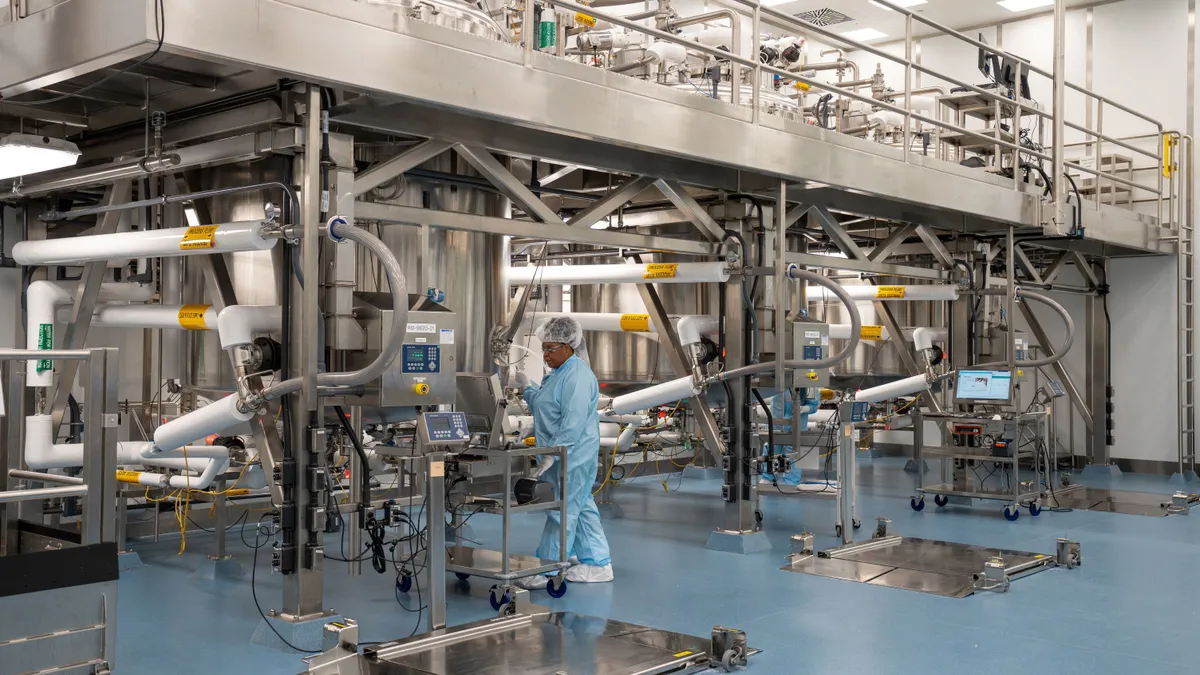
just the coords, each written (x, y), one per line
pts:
(988, 64)
(983, 386)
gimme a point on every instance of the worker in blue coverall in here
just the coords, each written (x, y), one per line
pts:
(564, 413)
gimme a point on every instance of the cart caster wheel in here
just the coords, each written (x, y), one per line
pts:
(856, 523)
(1011, 513)
(557, 587)
(499, 601)
(404, 584)
(941, 500)
(732, 660)
(461, 576)
(837, 531)
(1034, 509)
(917, 504)
(508, 609)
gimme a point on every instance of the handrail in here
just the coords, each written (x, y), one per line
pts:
(50, 354)
(791, 75)
(1016, 107)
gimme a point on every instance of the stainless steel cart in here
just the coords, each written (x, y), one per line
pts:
(504, 566)
(1024, 488)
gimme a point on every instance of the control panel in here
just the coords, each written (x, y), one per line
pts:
(811, 344)
(860, 412)
(423, 374)
(442, 428)
(420, 359)
(993, 436)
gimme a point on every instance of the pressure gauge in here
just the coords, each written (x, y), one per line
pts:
(986, 441)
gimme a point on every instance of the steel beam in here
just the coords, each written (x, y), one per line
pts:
(1051, 271)
(76, 331)
(935, 246)
(829, 262)
(687, 203)
(836, 233)
(709, 430)
(1068, 382)
(1085, 269)
(396, 166)
(32, 113)
(616, 199)
(452, 220)
(502, 178)
(1026, 266)
(557, 175)
(883, 251)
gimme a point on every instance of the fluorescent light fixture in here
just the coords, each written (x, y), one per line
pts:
(864, 34)
(899, 3)
(1022, 5)
(22, 154)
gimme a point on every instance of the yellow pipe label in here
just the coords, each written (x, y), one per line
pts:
(191, 317)
(871, 333)
(586, 20)
(128, 476)
(198, 237)
(889, 292)
(635, 323)
(1169, 143)
(660, 271)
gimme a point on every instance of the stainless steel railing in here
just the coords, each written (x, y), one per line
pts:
(760, 15)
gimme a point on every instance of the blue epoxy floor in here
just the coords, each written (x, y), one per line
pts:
(1131, 608)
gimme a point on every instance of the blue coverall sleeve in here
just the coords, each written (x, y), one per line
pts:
(577, 401)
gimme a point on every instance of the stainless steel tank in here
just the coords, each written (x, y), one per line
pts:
(455, 14)
(462, 265)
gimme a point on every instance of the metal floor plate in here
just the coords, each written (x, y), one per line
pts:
(561, 642)
(1113, 501)
(924, 565)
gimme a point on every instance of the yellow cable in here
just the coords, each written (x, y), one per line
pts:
(612, 463)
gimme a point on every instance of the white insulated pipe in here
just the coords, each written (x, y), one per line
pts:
(249, 235)
(659, 394)
(41, 302)
(650, 273)
(906, 387)
(164, 317)
(211, 419)
(238, 324)
(42, 453)
(899, 293)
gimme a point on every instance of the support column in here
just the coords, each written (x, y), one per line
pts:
(1096, 333)
(740, 531)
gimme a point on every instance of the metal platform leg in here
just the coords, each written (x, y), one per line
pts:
(307, 633)
(1102, 472)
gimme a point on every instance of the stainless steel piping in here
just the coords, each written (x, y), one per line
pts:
(735, 26)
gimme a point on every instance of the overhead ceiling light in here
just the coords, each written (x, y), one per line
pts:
(1022, 5)
(899, 3)
(864, 34)
(22, 154)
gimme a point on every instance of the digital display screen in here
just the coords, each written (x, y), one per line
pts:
(439, 423)
(421, 359)
(984, 385)
(415, 354)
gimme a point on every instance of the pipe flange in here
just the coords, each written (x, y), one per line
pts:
(333, 223)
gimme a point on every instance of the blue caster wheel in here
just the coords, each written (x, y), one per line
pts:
(498, 602)
(557, 587)
(1011, 513)
(941, 500)
(403, 584)
(917, 503)
(1034, 509)
(461, 576)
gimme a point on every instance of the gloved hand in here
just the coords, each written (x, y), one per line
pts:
(520, 380)
(544, 464)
